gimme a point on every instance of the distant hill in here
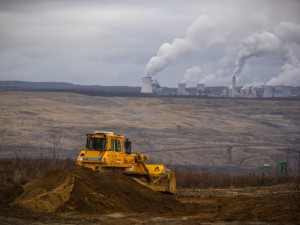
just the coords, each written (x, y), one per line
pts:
(87, 89)
(99, 90)
(26, 85)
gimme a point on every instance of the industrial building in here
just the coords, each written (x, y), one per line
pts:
(156, 88)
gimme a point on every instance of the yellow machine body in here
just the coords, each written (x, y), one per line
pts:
(107, 152)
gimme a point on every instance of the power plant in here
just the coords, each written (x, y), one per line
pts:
(248, 91)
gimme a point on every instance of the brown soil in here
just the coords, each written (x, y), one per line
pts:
(85, 191)
(256, 209)
(8, 195)
(223, 134)
(85, 197)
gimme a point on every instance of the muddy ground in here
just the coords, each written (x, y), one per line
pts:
(81, 197)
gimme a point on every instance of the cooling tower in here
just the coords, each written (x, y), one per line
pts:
(200, 88)
(268, 92)
(233, 86)
(147, 85)
(278, 91)
(181, 89)
(286, 91)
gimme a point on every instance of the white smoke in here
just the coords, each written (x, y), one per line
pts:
(191, 74)
(259, 45)
(205, 33)
(200, 35)
(290, 71)
(255, 84)
(290, 75)
(275, 45)
(214, 77)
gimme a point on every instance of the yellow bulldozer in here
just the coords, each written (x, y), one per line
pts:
(109, 152)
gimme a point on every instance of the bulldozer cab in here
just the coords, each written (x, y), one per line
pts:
(103, 149)
(104, 141)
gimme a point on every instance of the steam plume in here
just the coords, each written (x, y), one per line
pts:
(201, 34)
(255, 84)
(191, 74)
(259, 45)
(275, 45)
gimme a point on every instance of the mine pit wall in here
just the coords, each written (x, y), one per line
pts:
(176, 131)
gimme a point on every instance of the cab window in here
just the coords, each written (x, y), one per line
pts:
(118, 145)
(112, 145)
(90, 143)
(96, 143)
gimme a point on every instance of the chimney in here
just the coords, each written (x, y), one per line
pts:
(233, 86)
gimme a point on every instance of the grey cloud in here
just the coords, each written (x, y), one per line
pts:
(111, 42)
(288, 32)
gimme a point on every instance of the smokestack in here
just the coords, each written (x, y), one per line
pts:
(147, 85)
(181, 89)
(268, 92)
(233, 86)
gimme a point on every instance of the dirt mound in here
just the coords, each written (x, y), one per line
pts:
(8, 194)
(86, 191)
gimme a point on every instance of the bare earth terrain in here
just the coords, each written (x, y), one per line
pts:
(83, 196)
(227, 135)
(208, 133)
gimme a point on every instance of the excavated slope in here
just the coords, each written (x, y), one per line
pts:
(85, 191)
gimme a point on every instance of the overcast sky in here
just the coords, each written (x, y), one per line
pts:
(118, 42)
